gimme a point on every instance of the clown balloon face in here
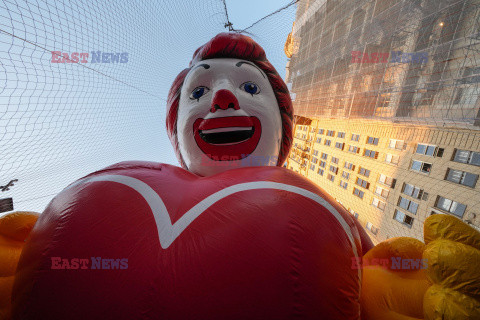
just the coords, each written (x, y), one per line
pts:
(229, 109)
(228, 117)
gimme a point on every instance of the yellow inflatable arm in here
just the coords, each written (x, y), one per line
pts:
(14, 229)
(444, 285)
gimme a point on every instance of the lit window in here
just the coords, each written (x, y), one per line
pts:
(403, 218)
(359, 193)
(343, 184)
(349, 166)
(421, 166)
(339, 145)
(331, 177)
(429, 150)
(335, 160)
(355, 137)
(462, 177)
(412, 191)
(397, 144)
(362, 183)
(346, 175)
(451, 206)
(465, 156)
(388, 181)
(391, 158)
(370, 153)
(364, 172)
(333, 169)
(372, 140)
(353, 149)
(408, 205)
(314, 160)
(330, 133)
(371, 227)
(321, 131)
(381, 192)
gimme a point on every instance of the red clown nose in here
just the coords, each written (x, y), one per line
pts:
(224, 99)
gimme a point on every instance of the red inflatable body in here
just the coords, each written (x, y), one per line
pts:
(141, 240)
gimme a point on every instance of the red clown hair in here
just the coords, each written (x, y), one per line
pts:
(236, 46)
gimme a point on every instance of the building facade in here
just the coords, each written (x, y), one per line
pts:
(386, 97)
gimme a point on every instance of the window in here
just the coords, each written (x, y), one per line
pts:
(312, 167)
(364, 172)
(397, 144)
(330, 133)
(339, 145)
(412, 191)
(328, 142)
(315, 152)
(378, 203)
(333, 169)
(451, 206)
(465, 156)
(370, 153)
(300, 127)
(392, 158)
(371, 227)
(324, 156)
(353, 149)
(355, 137)
(372, 140)
(335, 160)
(321, 131)
(388, 181)
(359, 193)
(304, 128)
(314, 160)
(320, 171)
(408, 205)
(346, 175)
(312, 129)
(322, 164)
(362, 183)
(421, 166)
(354, 214)
(341, 135)
(403, 218)
(381, 192)
(349, 166)
(319, 140)
(331, 177)
(462, 177)
(429, 150)
(343, 184)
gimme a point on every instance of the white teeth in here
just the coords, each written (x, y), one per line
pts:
(229, 129)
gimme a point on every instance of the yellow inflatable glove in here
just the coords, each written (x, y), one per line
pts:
(453, 253)
(438, 280)
(14, 229)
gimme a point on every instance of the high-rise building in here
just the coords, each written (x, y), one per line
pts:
(386, 97)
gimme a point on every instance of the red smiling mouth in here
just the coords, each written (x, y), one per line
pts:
(227, 138)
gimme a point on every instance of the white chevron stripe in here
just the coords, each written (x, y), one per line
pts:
(168, 232)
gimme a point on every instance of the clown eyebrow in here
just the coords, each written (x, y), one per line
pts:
(206, 66)
(238, 64)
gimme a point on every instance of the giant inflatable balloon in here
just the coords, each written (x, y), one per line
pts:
(232, 234)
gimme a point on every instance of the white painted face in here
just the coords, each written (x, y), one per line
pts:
(228, 117)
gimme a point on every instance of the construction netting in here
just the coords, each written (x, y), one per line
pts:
(60, 120)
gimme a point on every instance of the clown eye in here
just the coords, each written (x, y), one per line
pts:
(198, 92)
(250, 87)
